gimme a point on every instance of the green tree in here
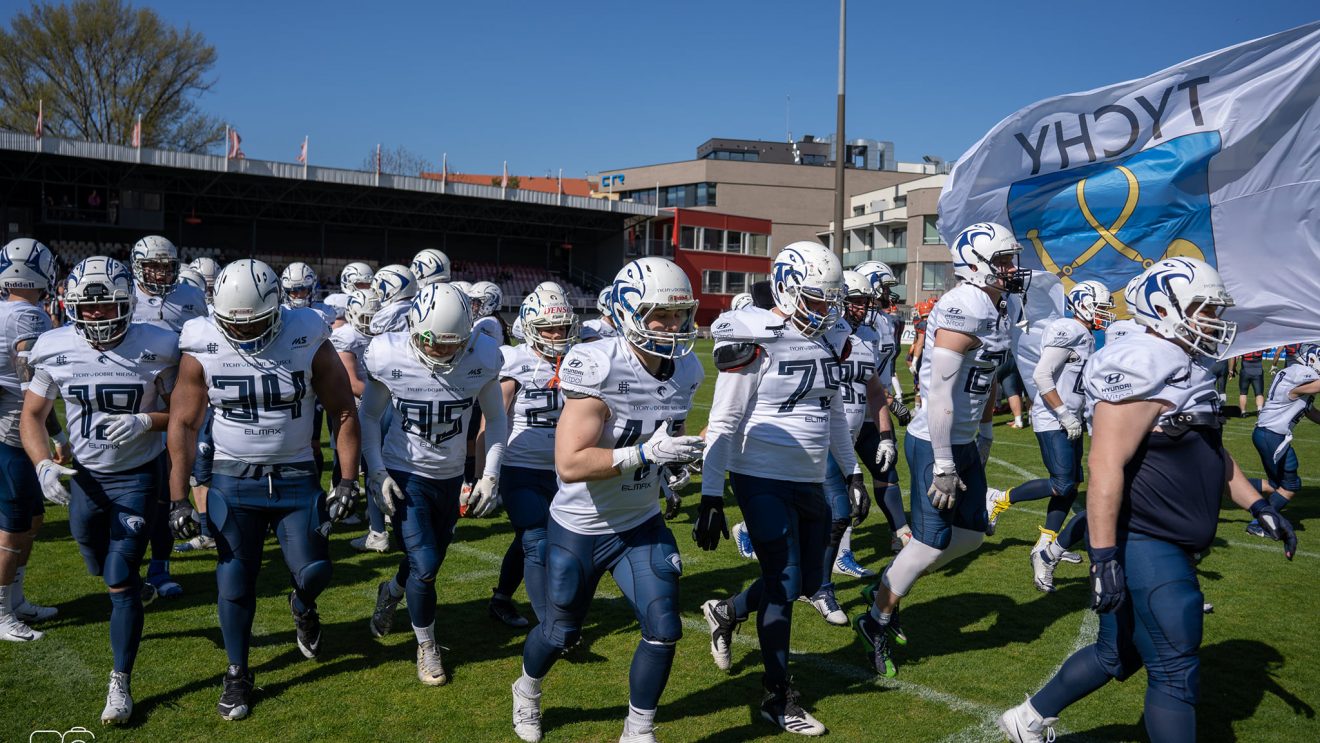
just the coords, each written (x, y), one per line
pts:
(96, 65)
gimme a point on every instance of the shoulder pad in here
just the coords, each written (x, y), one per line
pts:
(751, 324)
(734, 356)
(1138, 370)
(1064, 333)
(966, 309)
(584, 369)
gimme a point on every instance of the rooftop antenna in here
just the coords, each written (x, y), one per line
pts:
(788, 109)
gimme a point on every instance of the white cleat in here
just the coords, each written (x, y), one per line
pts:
(526, 716)
(828, 606)
(1023, 724)
(196, 544)
(118, 701)
(372, 541)
(1071, 557)
(722, 624)
(646, 737)
(29, 612)
(430, 667)
(996, 502)
(1042, 568)
(13, 629)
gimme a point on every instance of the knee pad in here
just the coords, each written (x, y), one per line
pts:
(565, 581)
(533, 542)
(1120, 662)
(313, 577)
(231, 578)
(961, 542)
(1063, 486)
(908, 566)
(662, 625)
(423, 564)
(120, 570)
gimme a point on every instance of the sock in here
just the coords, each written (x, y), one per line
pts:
(158, 567)
(1017, 420)
(1053, 550)
(203, 524)
(125, 627)
(529, 686)
(424, 634)
(845, 544)
(639, 721)
(1276, 499)
(16, 588)
(880, 616)
(1047, 537)
(396, 590)
(5, 609)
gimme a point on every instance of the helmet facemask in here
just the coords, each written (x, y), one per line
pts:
(100, 318)
(156, 275)
(554, 348)
(247, 331)
(438, 351)
(1202, 327)
(665, 344)
(815, 310)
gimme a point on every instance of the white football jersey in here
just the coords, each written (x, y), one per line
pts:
(1029, 315)
(337, 301)
(1148, 367)
(432, 411)
(180, 304)
(596, 328)
(1069, 334)
(326, 311)
(264, 403)
(391, 318)
(884, 343)
(638, 404)
(786, 397)
(1120, 329)
(19, 321)
(1282, 411)
(516, 330)
(348, 339)
(965, 309)
(490, 325)
(856, 372)
(535, 410)
(127, 379)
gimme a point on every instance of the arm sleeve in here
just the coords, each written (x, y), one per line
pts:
(43, 384)
(945, 364)
(491, 398)
(735, 393)
(375, 400)
(1052, 361)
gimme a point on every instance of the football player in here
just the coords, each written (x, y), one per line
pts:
(516, 329)
(209, 269)
(530, 382)
(356, 275)
(948, 441)
(299, 286)
(777, 416)
(26, 270)
(1066, 345)
(486, 299)
(114, 377)
(625, 401)
(166, 303)
(603, 325)
(1291, 395)
(1250, 371)
(430, 266)
(1158, 472)
(431, 375)
(350, 341)
(396, 286)
(259, 365)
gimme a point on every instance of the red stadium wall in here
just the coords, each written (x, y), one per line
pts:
(695, 262)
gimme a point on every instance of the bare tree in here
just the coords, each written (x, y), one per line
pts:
(96, 65)
(399, 161)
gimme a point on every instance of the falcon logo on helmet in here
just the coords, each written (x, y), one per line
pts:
(298, 284)
(645, 287)
(99, 300)
(1091, 303)
(394, 283)
(985, 255)
(430, 266)
(363, 304)
(155, 264)
(487, 297)
(1183, 300)
(807, 286)
(881, 277)
(356, 275)
(439, 326)
(247, 305)
(26, 264)
(549, 323)
(859, 299)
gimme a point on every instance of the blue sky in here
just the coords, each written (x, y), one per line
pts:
(588, 86)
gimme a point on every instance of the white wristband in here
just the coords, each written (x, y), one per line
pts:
(945, 466)
(628, 458)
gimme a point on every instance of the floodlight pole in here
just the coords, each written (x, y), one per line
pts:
(840, 147)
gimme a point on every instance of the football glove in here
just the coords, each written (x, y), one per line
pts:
(673, 501)
(1276, 526)
(676, 476)
(1071, 425)
(342, 500)
(484, 497)
(182, 521)
(1108, 582)
(122, 428)
(383, 491)
(900, 411)
(464, 497)
(710, 523)
(944, 486)
(49, 474)
(662, 449)
(858, 498)
(886, 454)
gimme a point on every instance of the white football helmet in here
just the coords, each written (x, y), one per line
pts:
(92, 285)
(1311, 356)
(465, 287)
(806, 274)
(487, 298)
(986, 254)
(155, 264)
(881, 277)
(439, 326)
(430, 266)
(741, 300)
(1091, 302)
(356, 275)
(247, 304)
(647, 285)
(602, 300)
(209, 269)
(26, 264)
(298, 284)
(192, 277)
(363, 304)
(1172, 298)
(543, 310)
(394, 283)
(859, 297)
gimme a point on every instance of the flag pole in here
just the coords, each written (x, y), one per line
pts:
(226, 148)
(444, 173)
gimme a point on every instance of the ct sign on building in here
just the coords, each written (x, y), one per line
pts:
(1217, 158)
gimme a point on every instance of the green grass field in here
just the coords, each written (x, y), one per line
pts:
(980, 637)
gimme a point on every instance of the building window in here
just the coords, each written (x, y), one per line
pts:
(710, 239)
(687, 238)
(900, 238)
(930, 236)
(758, 244)
(712, 282)
(813, 159)
(733, 241)
(735, 282)
(935, 276)
(859, 210)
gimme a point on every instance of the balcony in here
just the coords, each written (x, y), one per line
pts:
(890, 256)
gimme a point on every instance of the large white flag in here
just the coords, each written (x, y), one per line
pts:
(1216, 158)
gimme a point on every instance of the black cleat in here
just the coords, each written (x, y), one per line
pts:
(308, 625)
(236, 699)
(504, 610)
(782, 706)
(876, 639)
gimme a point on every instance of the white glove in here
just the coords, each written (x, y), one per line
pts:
(383, 491)
(49, 474)
(1069, 421)
(122, 428)
(483, 499)
(944, 486)
(886, 454)
(662, 449)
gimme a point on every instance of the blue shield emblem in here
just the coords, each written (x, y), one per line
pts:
(1112, 220)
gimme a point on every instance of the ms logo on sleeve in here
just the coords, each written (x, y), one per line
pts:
(1113, 220)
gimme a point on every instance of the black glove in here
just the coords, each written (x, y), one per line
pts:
(342, 500)
(182, 522)
(900, 411)
(858, 498)
(1108, 582)
(710, 523)
(1276, 526)
(673, 501)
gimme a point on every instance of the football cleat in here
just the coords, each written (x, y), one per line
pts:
(825, 603)
(526, 716)
(29, 612)
(1043, 568)
(782, 706)
(372, 541)
(900, 538)
(236, 699)
(158, 575)
(743, 541)
(719, 615)
(1071, 557)
(148, 593)
(199, 542)
(876, 640)
(118, 700)
(895, 629)
(996, 502)
(846, 564)
(1254, 529)
(13, 629)
(1023, 724)
(308, 626)
(504, 610)
(646, 737)
(430, 668)
(382, 617)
